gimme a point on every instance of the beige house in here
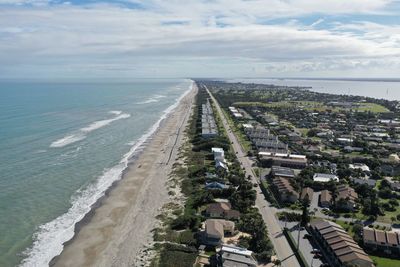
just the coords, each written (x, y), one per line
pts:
(325, 200)
(307, 193)
(216, 229)
(222, 210)
(348, 197)
(285, 190)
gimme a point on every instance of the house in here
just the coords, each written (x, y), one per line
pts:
(222, 210)
(247, 126)
(359, 166)
(208, 125)
(232, 256)
(394, 185)
(219, 158)
(325, 199)
(285, 190)
(282, 172)
(325, 177)
(294, 137)
(369, 182)
(350, 149)
(341, 249)
(308, 193)
(344, 141)
(284, 159)
(346, 198)
(219, 153)
(215, 231)
(384, 241)
(219, 165)
(216, 185)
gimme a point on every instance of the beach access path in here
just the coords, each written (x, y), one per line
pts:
(278, 239)
(121, 226)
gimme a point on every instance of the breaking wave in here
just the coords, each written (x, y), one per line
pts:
(81, 134)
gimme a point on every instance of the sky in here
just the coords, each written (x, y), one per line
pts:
(54, 39)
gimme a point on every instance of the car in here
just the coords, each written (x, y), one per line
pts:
(315, 251)
(317, 256)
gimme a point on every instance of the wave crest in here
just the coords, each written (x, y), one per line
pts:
(81, 134)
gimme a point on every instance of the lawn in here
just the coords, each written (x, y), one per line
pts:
(388, 214)
(385, 262)
(246, 144)
(315, 105)
(372, 107)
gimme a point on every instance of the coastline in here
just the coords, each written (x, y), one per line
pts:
(119, 224)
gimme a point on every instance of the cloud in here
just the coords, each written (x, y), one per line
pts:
(211, 38)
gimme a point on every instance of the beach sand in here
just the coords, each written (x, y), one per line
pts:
(115, 232)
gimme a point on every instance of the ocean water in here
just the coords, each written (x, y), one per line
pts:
(371, 88)
(61, 146)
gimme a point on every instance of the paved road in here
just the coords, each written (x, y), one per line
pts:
(282, 248)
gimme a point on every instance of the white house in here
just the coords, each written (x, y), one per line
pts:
(324, 177)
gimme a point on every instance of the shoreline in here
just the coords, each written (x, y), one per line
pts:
(108, 234)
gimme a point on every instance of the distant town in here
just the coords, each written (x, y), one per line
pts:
(283, 176)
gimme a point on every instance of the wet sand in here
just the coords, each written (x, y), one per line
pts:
(116, 231)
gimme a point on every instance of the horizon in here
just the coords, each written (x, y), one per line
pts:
(89, 39)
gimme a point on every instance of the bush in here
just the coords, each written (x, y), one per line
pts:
(185, 221)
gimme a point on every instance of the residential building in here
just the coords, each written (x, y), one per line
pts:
(359, 166)
(208, 125)
(384, 241)
(222, 210)
(284, 159)
(347, 197)
(285, 190)
(308, 193)
(369, 182)
(219, 158)
(325, 177)
(282, 172)
(216, 185)
(215, 231)
(232, 256)
(325, 199)
(339, 247)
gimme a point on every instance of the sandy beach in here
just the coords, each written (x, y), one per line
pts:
(116, 231)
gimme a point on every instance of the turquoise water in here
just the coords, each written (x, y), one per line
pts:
(61, 146)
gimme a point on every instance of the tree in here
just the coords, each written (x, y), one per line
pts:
(305, 216)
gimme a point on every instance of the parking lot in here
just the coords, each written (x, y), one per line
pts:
(306, 246)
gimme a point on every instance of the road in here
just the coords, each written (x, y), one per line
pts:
(282, 248)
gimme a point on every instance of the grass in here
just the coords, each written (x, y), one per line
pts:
(372, 107)
(388, 214)
(245, 143)
(315, 105)
(385, 262)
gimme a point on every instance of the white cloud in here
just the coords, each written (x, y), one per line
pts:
(210, 38)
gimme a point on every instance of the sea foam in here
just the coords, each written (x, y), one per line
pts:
(152, 99)
(81, 134)
(49, 240)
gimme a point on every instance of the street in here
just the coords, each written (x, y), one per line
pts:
(281, 245)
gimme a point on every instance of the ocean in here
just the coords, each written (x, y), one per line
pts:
(62, 145)
(386, 89)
